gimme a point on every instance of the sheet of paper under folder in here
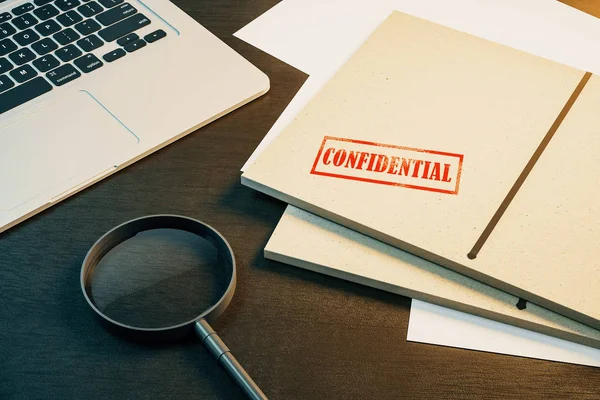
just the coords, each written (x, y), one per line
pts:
(473, 155)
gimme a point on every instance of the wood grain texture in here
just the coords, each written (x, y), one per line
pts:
(299, 334)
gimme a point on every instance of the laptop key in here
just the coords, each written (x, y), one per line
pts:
(88, 26)
(88, 63)
(90, 43)
(25, 21)
(132, 37)
(48, 28)
(22, 56)
(67, 36)
(6, 46)
(63, 74)
(68, 53)
(116, 14)
(6, 30)
(23, 93)
(46, 63)
(41, 2)
(23, 8)
(90, 9)
(154, 36)
(134, 46)
(5, 83)
(124, 27)
(46, 12)
(110, 3)
(5, 16)
(24, 73)
(69, 18)
(26, 37)
(5, 65)
(114, 55)
(44, 46)
(66, 5)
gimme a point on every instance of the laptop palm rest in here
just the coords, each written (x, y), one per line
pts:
(37, 166)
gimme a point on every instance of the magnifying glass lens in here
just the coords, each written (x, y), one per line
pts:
(159, 278)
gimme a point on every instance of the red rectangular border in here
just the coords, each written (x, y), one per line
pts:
(460, 157)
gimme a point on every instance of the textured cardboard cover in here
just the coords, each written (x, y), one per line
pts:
(311, 242)
(419, 87)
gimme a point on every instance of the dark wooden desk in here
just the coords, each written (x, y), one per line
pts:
(300, 335)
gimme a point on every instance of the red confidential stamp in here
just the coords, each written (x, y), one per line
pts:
(386, 164)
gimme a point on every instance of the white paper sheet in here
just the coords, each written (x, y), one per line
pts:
(438, 325)
(318, 36)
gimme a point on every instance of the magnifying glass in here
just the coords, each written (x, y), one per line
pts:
(161, 277)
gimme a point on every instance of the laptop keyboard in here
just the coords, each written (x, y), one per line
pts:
(48, 43)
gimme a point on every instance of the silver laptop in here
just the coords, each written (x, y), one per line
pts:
(88, 87)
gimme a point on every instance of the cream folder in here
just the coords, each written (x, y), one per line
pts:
(311, 242)
(473, 155)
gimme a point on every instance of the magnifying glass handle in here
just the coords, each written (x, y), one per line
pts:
(222, 353)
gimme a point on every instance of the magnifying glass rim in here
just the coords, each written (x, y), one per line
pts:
(225, 298)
